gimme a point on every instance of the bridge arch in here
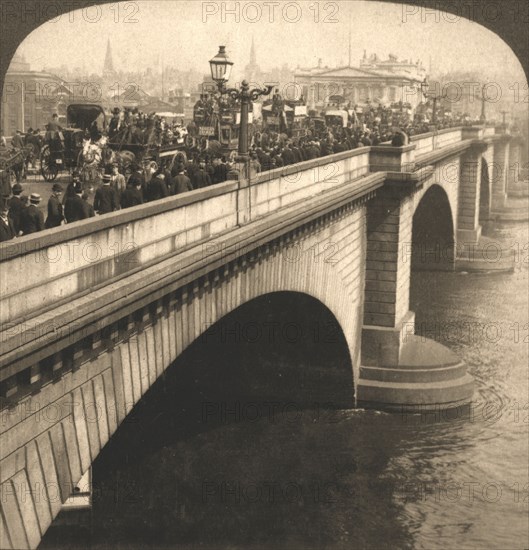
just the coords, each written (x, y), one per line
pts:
(294, 330)
(433, 232)
(95, 396)
(267, 359)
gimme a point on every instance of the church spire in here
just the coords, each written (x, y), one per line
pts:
(252, 70)
(108, 67)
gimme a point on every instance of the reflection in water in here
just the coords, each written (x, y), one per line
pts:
(244, 446)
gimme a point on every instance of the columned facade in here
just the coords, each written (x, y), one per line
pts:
(373, 81)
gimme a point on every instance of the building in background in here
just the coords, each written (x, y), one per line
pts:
(181, 102)
(474, 94)
(29, 98)
(376, 80)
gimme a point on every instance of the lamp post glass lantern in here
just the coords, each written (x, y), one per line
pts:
(221, 66)
(220, 72)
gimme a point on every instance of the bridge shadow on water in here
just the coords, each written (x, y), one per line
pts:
(249, 440)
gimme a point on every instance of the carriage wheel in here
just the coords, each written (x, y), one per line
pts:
(48, 168)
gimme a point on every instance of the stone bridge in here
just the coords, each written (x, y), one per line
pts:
(93, 313)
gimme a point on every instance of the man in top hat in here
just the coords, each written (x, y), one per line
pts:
(55, 211)
(31, 218)
(106, 199)
(137, 176)
(15, 206)
(7, 228)
(132, 196)
(74, 207)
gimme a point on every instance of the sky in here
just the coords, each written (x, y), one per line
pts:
(186, 34)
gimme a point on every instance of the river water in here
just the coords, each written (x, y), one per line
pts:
(313, 476)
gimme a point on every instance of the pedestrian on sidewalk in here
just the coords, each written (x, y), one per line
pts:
(55, 210)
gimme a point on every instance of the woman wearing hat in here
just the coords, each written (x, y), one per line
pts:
(31, 218)
(55, 210)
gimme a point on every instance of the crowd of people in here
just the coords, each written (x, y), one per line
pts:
(20, 214)
(268, 150)
(132, 126)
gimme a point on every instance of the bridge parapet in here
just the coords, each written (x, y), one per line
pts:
(287, 185)
(427, 146)
(53, 267)
(68, 261)
(490, 131)
(431, 141)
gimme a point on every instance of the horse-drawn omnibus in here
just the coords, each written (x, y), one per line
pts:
(216, 126)
(285, 117)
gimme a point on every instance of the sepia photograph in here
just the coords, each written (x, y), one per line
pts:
(264, 275)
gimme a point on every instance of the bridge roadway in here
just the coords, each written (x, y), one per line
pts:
(93, 313)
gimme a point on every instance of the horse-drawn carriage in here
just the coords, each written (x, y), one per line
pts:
(85, 148)
(14, 161)
(63, 148)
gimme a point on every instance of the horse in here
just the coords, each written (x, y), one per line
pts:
(90, 160)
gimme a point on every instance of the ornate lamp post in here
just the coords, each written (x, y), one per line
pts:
(425, 86)
(220, 72)
(482, 98)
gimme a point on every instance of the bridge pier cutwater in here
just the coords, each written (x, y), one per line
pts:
(93, 313)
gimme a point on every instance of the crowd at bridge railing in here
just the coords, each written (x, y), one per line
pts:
(20, 215)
